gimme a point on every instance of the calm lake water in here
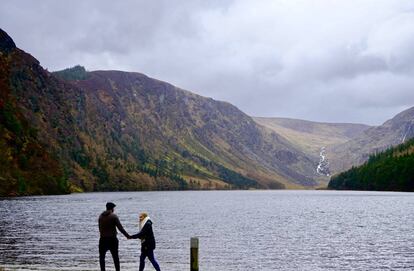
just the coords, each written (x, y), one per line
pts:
(238, 230)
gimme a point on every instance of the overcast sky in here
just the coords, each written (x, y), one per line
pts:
(335, 61)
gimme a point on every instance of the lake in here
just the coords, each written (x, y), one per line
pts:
(238, 230)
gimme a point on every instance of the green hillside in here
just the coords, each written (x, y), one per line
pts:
(26, 165)
(391, 170)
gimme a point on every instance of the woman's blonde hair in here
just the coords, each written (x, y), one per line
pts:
(144, 214)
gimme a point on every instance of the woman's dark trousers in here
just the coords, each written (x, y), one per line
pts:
(111, 244)
(150, 255)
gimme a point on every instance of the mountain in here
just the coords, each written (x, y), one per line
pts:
(375, 139)
(342, 146)
(391, 170)
(203, 138)
(311, 136)
(75, 130)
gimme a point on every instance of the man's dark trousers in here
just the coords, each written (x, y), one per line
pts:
(111, 244)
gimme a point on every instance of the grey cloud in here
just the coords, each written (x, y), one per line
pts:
(314, 60)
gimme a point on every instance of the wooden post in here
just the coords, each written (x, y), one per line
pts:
(194, 254)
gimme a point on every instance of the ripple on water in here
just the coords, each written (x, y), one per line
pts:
(238, 230)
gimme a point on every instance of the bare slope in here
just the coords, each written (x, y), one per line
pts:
(311, 136)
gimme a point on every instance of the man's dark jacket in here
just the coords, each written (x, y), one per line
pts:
(147, 237)
(108, 222)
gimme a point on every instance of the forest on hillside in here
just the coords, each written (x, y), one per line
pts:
(391, 170)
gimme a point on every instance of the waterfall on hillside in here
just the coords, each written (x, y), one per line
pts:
(323, 166)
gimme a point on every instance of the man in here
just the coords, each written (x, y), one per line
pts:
(147, 242)
(108, 222)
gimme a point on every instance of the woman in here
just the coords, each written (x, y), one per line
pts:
(147, 241)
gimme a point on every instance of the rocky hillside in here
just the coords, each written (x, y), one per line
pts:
(111, 130)
(373, 140)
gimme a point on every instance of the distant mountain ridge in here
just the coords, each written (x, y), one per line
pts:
(311, 136)
(314, 138)
(343, 145)
(373, 140)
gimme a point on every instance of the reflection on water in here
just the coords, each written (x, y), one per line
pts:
(238, 230)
